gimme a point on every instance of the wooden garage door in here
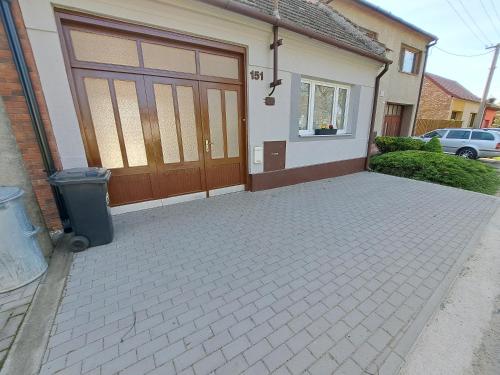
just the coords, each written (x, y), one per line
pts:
(166, 118)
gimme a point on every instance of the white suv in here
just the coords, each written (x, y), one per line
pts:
(467, 143)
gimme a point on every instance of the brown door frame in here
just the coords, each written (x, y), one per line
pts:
(66, 17)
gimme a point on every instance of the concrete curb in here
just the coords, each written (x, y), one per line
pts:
(433, 305)
(26, 353)
(402, 347)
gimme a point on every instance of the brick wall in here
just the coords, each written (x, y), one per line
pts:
(17, 111)
(434, 103)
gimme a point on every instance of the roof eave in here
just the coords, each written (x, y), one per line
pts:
(248, 11)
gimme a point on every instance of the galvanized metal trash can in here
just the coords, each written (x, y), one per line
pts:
(21, 259)
(85, 194)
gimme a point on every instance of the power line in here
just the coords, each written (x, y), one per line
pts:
(495, 9)
(460, 55)
(465, 23)
(489, 17)
(473, 22)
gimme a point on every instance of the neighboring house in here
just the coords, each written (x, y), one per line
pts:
(170, 95)
(406, 47)
(446, 99)
(490, 113)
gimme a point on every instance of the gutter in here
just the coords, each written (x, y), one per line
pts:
(427, 47)
(251, 12)
(29, 94)
(374, 113)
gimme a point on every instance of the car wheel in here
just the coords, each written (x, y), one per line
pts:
(467, 153)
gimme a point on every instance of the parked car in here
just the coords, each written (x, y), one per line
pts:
(493, 129)
(467, 143)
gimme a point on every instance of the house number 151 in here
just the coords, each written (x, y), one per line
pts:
(257, 75)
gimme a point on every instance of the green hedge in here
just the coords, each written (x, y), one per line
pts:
(433, 145)
(391, 144)
(439, 168)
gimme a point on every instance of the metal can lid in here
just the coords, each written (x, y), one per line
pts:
(8, 193)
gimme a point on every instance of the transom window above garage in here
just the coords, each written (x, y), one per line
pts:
(323, 108)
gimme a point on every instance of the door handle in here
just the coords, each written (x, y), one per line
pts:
(207, 145)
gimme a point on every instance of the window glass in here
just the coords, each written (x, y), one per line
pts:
(304, 105)
(408, 64)
(341, 108)
(458, 134)
(472, 119)
(433, 134)
(323, 105)
(482, 136)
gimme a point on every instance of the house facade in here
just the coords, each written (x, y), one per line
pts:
(406, 47)
(446, 99)
(181, 107)
(490, 113)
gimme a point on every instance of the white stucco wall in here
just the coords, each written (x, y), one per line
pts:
(395, 86)
(298, 55)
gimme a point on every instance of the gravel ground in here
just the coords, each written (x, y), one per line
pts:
(463, 337)
(487, 356)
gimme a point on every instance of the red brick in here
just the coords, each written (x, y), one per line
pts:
(17, 110)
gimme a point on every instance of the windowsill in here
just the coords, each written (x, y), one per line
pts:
(346, 135)
(408, 73)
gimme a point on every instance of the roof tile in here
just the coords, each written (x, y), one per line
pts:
(320, 18)
(453, 87)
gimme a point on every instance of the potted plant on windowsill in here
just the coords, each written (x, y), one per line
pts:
(325, 130)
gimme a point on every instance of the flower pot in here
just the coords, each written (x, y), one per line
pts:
(325, 131)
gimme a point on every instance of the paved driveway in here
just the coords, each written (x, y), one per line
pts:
(335, 276)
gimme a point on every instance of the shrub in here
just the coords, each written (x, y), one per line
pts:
(391, 144)
(433, 145)
(439, 168)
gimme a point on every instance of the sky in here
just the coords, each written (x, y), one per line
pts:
(438, 18)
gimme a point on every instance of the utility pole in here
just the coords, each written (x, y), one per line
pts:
(480, 114)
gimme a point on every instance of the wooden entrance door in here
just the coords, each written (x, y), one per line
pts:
(117, 132)
(176, 135)
(392, 119)
(222, 134)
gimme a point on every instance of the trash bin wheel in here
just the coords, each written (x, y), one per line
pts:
(78, 243)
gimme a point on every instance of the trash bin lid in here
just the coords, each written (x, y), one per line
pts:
(8, 193)
(88, 175)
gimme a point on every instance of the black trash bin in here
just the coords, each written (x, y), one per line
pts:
(85, 193)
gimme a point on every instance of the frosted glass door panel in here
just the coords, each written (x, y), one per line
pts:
(187, 118)
(103, 120)
(130, 120)
(166, 122)
(104, 49)
(215, 123)
(232, 128)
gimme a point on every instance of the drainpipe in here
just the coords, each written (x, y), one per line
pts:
(427, 47)
(374, 113)
(29, 94)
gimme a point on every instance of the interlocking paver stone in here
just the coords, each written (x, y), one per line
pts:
(324, 277)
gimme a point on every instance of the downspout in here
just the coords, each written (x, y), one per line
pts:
(427, 47)
(374, 113)
(29, 94)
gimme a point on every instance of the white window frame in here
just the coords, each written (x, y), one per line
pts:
(310, 110)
